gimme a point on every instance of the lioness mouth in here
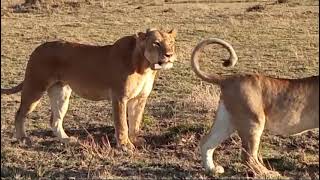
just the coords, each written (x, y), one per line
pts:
(158, 66)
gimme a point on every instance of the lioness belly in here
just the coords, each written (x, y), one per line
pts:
(93, 93)
(289, 122)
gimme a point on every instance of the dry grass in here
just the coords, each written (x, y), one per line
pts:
(280, 41)
(203, 98)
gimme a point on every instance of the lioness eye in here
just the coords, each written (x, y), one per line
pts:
(156, 44)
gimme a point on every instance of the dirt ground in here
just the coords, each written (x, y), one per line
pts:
(275, 39)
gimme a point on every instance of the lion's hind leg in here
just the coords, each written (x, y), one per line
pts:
(220, 131)
(30, 98)
(251, 137)
(59, 95)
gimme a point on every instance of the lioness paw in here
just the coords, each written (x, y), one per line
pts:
(25, 141)
(215, 171)
(219, 170)
(271, 174)
(139, 142)
(126, 147)
(69, 140)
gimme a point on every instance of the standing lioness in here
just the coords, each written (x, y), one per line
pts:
(251, 103)
(123, 72)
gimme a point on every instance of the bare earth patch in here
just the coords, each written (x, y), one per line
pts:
(281, 40)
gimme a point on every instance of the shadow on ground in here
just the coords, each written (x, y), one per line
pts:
(21, 173)
(153, 170)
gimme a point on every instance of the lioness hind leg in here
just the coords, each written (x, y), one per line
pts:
(250, 137)
(220, 130)
(135, 114)
(59, 95)
(30, 97)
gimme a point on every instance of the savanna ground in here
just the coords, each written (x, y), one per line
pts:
(275, 39)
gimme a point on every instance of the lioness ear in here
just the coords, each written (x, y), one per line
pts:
(141, 35)
(173, 32)
(150, 29)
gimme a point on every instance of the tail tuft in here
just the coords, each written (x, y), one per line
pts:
(12, 90)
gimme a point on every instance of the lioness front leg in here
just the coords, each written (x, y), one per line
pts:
(119, 108)
(135, 114)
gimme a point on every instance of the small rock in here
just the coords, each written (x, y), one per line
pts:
(169, 10)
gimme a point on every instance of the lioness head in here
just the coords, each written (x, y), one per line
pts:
(158, 47)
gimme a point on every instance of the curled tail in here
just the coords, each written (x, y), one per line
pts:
(13, 90)
(212, 78)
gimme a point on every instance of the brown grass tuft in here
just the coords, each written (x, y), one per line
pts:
(203, 98)
(256, 8)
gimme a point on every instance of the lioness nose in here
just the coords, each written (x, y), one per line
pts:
(168, 54)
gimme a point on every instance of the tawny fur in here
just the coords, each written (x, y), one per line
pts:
(123, 72)
(251, 103)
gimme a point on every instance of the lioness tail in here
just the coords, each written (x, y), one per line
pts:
(212, 78)
(12, 90)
